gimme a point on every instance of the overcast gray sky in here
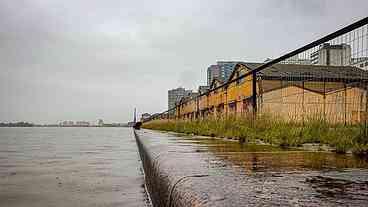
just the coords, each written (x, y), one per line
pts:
(90, 59)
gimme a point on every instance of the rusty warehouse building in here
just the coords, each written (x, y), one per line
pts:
(337, 94)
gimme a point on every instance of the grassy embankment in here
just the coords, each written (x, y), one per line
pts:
(273, 131)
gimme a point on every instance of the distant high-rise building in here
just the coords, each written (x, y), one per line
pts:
(226, 67)
(175, 95)
(213, 71)
(222, 71)
(335, 55)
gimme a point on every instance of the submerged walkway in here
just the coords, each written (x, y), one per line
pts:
(198, 171)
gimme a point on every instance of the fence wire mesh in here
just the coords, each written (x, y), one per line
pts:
(326, 80)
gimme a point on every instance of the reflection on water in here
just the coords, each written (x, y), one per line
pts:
(275, 176)
(339, 188)
(70, 167)
(253, 157)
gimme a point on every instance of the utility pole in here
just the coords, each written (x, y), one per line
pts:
(135, 115)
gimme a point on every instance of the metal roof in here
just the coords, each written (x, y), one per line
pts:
(292, 71)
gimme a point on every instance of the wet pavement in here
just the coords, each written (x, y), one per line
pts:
(201, 171)
(70, 167)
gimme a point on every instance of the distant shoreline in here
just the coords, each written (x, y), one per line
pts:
(63, 126)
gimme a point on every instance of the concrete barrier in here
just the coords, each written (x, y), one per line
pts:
(179, 174)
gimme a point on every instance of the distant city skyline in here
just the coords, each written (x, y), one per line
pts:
(96, 122)
(60, 62)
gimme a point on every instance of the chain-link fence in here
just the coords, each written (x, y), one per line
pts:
(324, 80)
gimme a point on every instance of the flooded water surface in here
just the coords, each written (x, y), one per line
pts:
(101, 167)
(295, 177)
(70, 167)
(214, 172)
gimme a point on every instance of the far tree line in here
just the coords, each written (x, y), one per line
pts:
(16, 124)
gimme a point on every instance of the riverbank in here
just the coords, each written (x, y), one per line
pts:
(342, 138)
(203, 171)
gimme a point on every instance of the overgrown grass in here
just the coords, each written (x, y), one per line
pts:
(271, 130)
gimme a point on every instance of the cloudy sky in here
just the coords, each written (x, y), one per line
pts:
(90, 59)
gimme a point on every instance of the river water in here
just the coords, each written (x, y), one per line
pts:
(101, 167)
(70, 167)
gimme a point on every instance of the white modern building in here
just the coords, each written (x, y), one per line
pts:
(335, 55)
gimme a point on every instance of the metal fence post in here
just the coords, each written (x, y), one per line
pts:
(254, 93)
